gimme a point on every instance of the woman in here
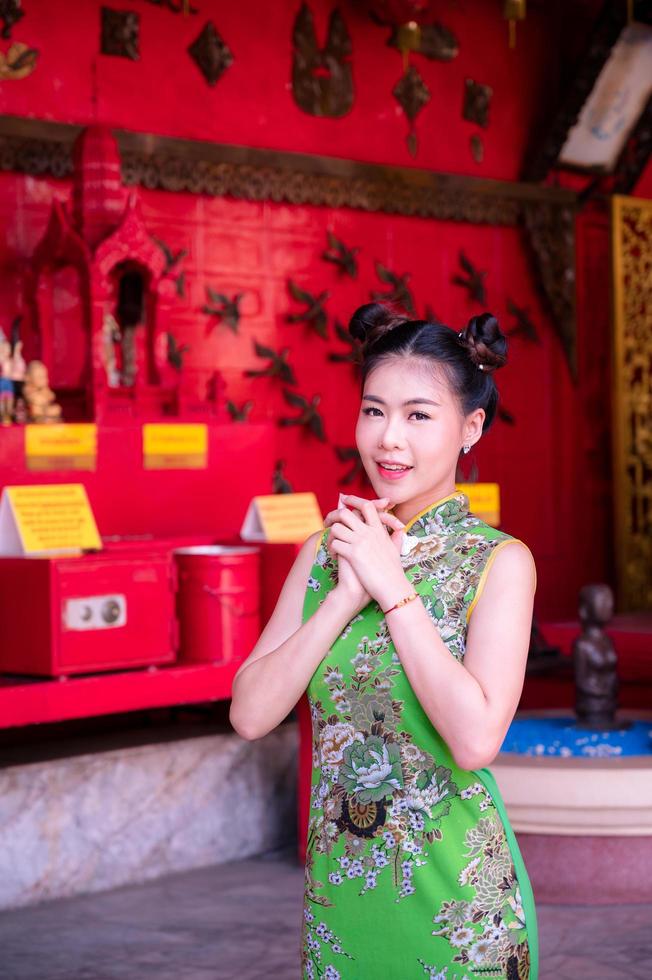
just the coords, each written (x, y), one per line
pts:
(412, 867)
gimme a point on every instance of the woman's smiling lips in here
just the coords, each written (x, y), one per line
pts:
(388, 474)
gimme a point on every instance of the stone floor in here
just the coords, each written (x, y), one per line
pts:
(240, 921)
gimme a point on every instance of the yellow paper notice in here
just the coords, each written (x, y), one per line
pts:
(484, 500)
(53, 518)
(69, 446)
(175, 446)
(282, 517)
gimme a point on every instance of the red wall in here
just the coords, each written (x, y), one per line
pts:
(548, 464)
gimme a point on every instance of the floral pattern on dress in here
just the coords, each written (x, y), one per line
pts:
(489, 929)
(380, 800)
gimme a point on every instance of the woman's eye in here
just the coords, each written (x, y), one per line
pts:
(368, 411)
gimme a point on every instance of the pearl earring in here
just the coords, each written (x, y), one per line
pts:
(466, 449)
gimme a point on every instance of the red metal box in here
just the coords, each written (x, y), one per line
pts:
(90, 613)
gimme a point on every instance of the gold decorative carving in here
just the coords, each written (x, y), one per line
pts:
(631, 236)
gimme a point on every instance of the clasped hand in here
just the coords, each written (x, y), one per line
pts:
(369, 562)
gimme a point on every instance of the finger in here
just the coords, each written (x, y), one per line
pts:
(370, 513)
(351, 500)
(341, 531)
(396, 537)
(391, 520)
(341, 548)
(342, 514)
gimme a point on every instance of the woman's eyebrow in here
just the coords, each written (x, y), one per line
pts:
(410, 401)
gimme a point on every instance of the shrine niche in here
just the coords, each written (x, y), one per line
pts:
(99, 292)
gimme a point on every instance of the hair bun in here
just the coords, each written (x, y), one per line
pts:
(371, 321)
(485, 342)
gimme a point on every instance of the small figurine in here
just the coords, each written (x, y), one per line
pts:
(595, 661)
(280, 484)
(6, 384)
(18, 368)
(20, 412)
(40, 398)
(110, 338)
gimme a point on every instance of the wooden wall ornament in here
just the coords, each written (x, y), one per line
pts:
(10, 13)
(322, 78)
(120, 33)
(412, 94)
(314, 315)
(551, 236)
(477, 99)
(524, 328)
(472, 280)
(239, 414)
(341, 255)
(309, 416)
(210, 53)
(225, 309)
(278, 367)
(400, 293)
(19, 62)
(354, 354)
(172, 260)
(350, 454)
(176, 352)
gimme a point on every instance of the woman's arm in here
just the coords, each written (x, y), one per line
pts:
(472, 704)
(277, 671)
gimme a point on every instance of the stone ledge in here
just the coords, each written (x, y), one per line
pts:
(97, 821)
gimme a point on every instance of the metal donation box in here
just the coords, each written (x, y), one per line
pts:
(73, 615)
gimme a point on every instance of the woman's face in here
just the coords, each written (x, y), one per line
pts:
(409, 415)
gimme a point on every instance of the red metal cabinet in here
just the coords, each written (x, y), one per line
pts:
(63, 616)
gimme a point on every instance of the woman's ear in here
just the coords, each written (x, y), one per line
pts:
(473, 426)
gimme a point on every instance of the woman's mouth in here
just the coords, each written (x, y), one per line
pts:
(394, 472)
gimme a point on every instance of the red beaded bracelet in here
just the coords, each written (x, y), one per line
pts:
(401, 602)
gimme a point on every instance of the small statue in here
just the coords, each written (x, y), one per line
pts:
(20, 412)
(18, 368)
(280, 484)
(595, 662)
(110, 338)
(6, 384)
(40, 398)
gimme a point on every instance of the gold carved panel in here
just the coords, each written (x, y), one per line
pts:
(631, 237)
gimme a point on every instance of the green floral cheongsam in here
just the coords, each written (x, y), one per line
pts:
(412, 867)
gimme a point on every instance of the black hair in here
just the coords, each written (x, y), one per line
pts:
(468, 358)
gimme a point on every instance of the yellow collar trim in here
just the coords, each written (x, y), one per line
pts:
(429, 507)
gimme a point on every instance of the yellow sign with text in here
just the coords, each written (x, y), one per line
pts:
(68, 446)
(175, 446)
(282, 517)
(484, 500)
(50, 519)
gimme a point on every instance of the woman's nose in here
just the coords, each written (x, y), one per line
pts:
(391, 436)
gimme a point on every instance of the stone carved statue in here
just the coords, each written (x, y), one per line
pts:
(595, 661)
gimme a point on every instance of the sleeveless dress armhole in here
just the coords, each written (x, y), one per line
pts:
(318, 545)
(485, 571)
